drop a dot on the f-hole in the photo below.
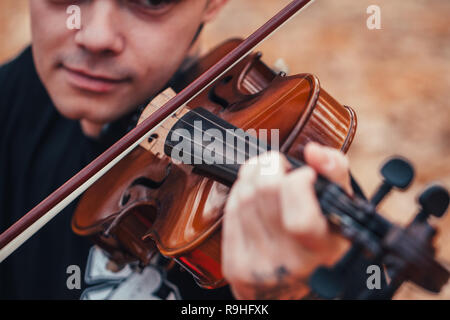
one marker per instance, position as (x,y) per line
(213,96)
(146,182)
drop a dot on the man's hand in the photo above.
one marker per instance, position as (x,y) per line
(274,234)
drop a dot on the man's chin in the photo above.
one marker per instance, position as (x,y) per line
(91,129)
(91,112)
(77,104)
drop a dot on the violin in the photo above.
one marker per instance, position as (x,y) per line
(146,195)
(148,204)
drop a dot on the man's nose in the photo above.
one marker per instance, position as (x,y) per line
(99,31)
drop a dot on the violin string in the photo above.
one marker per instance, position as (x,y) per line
(209,120)
(214,123)
(224,168)
(260,150)
(349,205)
(220,126)
(225,143)
(339,202)
(201,145)
(199,158)
(332,206)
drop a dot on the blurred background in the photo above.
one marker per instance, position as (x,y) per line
(397,79)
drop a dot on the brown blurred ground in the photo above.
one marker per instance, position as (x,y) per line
(397,79)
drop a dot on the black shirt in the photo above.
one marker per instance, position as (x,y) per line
(39,151)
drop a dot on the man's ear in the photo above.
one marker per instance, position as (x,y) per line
(212,9)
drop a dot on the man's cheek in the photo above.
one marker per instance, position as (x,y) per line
(48,22)
(47,44)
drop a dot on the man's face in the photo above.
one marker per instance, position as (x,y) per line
(125,51)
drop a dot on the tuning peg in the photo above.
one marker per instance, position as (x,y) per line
(434,201)
(398,173)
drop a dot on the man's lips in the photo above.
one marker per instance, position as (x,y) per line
(97,83)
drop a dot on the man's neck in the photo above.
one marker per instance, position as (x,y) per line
(91,129)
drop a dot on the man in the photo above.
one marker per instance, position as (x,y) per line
(62,102)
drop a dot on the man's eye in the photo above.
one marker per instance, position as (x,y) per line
(154,5)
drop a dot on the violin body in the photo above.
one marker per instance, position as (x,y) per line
(149,203)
